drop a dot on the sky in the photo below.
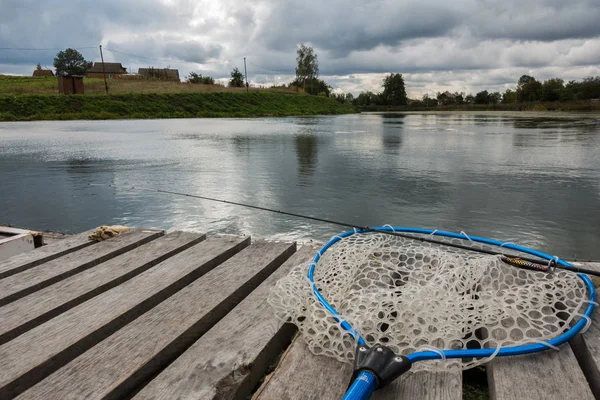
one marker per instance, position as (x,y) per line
(438,45)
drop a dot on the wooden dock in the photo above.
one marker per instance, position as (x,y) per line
(149,315)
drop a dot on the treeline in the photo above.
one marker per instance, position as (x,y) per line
(528,90)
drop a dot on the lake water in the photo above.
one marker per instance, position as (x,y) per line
(523,178)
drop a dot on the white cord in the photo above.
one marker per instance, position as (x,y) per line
(433,349)
(389,226)
(465,235)
(588,322)
(550,346)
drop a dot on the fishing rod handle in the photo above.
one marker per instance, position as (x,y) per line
(362,387)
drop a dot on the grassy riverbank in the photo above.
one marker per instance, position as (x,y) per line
(165,105)
(49,85)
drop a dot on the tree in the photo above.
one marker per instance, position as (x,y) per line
(509,97)
(552,89)
(459,98)
(38,67)
(470,99)
(198,78)
(528,89)
(71,62)
(590,88)
(237,78)
(482,97)
(494,98)
(394,92)
(308,66)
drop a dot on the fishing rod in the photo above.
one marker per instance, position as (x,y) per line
(517,261)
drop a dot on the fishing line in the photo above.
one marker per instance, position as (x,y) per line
(555,262)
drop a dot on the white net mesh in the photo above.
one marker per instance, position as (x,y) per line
(409,295)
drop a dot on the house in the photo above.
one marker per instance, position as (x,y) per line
(159,73)
(446,98)
(113,70)
(43,72)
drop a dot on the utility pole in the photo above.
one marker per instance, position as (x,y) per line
(246,74)
(103,71)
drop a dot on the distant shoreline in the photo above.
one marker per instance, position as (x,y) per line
(565,106)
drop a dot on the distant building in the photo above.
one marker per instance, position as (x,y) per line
(159,73)
(446,98)
(43,72)
(113,70)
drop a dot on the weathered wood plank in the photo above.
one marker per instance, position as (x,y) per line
(588,265)
(19,285)
(230,359)
(549,375)
(29,358)
(587,351)
(38,307)
(302,375)
(116,366)
(30,259)
(424,385)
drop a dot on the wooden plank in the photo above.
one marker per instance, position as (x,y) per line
(248,340)
(587,351)
(24,261)
(29,358)
(424,385)
(36,308)
(19,285)
(302,375)
(549,375)
(132,355)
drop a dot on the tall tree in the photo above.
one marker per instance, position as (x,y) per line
(308,65)
(552,89)
(394,92)
(494,98)
(237,78)
(528,89)
(71,62)
(509,97)
(38,67)
(482,97)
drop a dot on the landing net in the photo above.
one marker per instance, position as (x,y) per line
(416,296)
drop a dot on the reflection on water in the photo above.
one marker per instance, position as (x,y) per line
(306,150)
(522,178)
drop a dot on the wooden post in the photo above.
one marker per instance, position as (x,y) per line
(246,75)
(103,71)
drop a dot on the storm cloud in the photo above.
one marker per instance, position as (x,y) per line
(464,45)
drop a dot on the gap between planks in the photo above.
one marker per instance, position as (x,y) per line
(26,282)
(31,357)
(115,367)
(38,307)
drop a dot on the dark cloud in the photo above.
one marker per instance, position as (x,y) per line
(460,45)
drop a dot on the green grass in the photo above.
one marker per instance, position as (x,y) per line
(49,85)
(165,105)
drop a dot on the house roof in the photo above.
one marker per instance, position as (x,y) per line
(109,68)
(43,72)
(171,73)
(447,94)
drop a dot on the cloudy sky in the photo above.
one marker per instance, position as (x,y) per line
(459,45)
